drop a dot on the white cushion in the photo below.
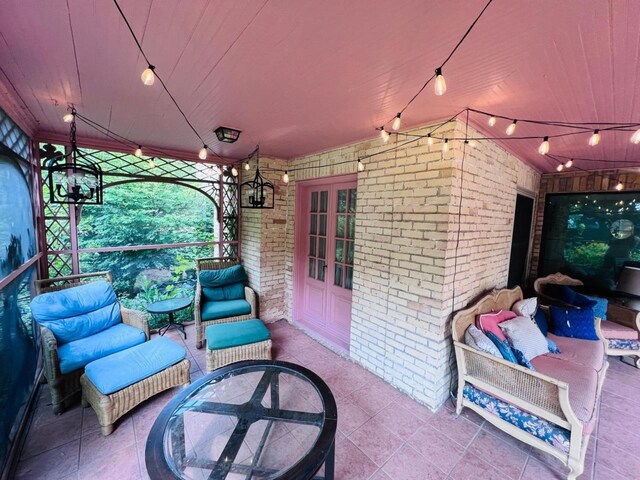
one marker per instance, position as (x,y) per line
(525,336)
(526,307)
(478,340)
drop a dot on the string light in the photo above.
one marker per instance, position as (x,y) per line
(429,139)
(202,154)
(246,166)
(543,149)
(595,138)
(569,163)
(635,138)
(440,86)
(445,145)
(148,77)
(560,167)
(285,177)
(619,185)
(68,118)
(512,127)
(152,164)
(492,120)
(234,171)
(397,122)
(360,166)
(384,135)
(138,152)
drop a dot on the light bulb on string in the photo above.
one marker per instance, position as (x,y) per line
(635,138)
(396,122)
(148,77)
(138,152)
(560,167)
(234,171)
(492,120)
(360,166)
(384,135)
(246,166)
(152,164)
(440,86)
(285,177)
(445,145)
(595,138)
(202,154)
(543,149)
(220,170)
(512,127)
(569,163)
(429,139)
(619,186)
(68,118)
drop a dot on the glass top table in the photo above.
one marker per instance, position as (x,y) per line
(252,420)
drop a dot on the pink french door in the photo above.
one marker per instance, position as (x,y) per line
(325,235)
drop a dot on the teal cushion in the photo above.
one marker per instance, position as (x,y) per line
(117,371)
(234,291)
(235,334)
(224,309)
(77,312)
(77,354)
(224,276)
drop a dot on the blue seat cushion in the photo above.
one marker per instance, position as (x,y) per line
(77,354)
(233,291)
(224,276)
(77,312)
(224,309)
(124,368)
(236,334)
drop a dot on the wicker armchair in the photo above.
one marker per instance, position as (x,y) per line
(626,317)
(214,263)
(65,388)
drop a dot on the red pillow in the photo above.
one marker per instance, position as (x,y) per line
(488,322)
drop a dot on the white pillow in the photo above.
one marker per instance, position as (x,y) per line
(525,336)
(526,307)
(478,340)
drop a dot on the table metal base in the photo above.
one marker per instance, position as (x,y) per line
(172,324)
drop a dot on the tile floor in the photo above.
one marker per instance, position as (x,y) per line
(382,434)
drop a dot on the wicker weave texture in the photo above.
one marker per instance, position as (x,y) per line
(109,408)
(225,356)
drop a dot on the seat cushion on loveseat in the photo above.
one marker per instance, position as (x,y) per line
(224,309)
(119,370)
(583,386)
(77,354)
(589,353)
(77,312)
(612,329)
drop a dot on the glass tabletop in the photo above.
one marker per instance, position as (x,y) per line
(171,305)
(249,420)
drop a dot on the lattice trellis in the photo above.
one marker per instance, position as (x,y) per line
(13,137)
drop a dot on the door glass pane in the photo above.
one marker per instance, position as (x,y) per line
(324,197)
(312,247)
(337,279)
(351,227)
(350,253)
(352,200)
(339,251)
(313,224)
(312,267)
(323,225)
(348,281)
(340,220)
(321,269)
(314,201)
(342,201)
(322,247)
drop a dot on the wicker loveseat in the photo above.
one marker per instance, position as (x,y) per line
(552,408)
(209,312)
(620,331)
(65,387)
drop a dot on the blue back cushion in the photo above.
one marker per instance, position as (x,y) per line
(541,320)
(77,312)
(573,322)
(600,307)
(504,348)
(223,284)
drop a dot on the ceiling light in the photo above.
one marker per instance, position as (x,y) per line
(227,135)
(148,77)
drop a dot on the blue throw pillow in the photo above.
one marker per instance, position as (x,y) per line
(224,276)
(573,322)
(503,346)
(600,307)
(235,291)
(553,348)
(522,360)
(582,301)
(541,320)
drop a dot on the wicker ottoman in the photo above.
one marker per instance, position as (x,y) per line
(115,384)
(237,341)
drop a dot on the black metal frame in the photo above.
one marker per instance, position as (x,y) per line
(227,134)
(306,468)
(255,193)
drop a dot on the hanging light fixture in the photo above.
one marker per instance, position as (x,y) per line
(397,122)
(152,163)
(227,134)
(543,149)
(72,178)
(68,118)
(569,163)
(635,138)
(440,86)
(595,138)
(560,167)
(384,135)
(246,165)
(257,193)
(285,177)
(492,120)
(360,166)
(202,154)
(234,171)
(445,145)
(138,152)
(619,186)
(429,139)
(512,127)
(148,77)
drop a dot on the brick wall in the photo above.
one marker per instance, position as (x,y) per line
(405,247)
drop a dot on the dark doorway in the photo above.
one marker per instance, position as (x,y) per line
(520,241)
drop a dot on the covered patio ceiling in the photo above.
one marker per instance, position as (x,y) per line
(302,77)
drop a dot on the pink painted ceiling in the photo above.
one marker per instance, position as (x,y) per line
(303,76)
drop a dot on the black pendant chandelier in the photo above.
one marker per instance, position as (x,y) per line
(256,193)
(72,178)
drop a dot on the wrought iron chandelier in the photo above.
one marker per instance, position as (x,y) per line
(257,193)
(72,178)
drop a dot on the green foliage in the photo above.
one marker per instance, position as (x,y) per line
(588,256)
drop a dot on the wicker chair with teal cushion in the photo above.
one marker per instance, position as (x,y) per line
(221,294)
(80,323)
